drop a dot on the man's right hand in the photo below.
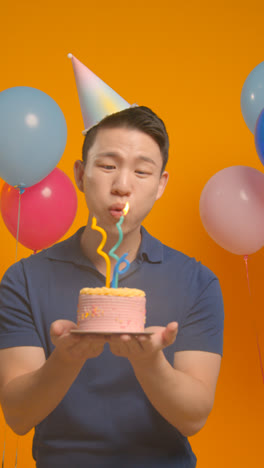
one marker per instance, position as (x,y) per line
(72,347)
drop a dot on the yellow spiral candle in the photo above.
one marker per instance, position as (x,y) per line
(100,252)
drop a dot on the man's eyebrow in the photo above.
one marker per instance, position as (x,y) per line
(147,159)
(112,154)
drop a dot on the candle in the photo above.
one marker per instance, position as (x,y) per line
(100,252)
(112,251)
(120,272)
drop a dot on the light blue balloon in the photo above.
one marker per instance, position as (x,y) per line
(33,134)
(259,136)
(252,96)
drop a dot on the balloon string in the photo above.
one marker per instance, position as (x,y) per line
(260,359)
(257,339)
(246,263)
(16,453)
(3,457)
(21,190)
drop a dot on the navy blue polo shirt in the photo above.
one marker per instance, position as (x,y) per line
(105,419)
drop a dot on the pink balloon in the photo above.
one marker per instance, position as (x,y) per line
(46,213)
(232,209)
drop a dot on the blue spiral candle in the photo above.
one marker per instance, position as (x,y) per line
(112,253)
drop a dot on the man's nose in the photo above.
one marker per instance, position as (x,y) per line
(122,183)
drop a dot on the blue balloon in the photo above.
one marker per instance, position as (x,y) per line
(252,96)
(259,136)
(33,134)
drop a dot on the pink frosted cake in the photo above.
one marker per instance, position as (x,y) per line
(111,310)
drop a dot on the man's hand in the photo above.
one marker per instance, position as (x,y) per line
(139,349)
(72,347)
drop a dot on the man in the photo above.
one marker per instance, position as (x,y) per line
(100,401)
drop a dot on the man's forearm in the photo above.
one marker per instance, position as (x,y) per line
(29,398)
(182,400)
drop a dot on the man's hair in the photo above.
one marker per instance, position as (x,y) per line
(136,118)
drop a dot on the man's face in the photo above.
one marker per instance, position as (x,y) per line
(123,165)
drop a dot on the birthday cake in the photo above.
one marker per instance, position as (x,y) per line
(120,310)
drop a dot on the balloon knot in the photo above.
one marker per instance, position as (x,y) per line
(19,188)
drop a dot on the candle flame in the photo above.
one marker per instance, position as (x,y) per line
(126,209)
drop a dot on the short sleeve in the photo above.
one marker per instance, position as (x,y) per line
(202,325)
(16,321)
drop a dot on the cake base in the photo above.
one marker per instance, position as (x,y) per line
(85,332)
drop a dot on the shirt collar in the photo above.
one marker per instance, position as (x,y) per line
(69,251)
(150,249)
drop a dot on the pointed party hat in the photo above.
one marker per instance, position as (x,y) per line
(97,99)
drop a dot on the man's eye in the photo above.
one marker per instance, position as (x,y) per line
(107,167)
(142,173)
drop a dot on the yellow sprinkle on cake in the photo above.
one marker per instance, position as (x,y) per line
(125,292)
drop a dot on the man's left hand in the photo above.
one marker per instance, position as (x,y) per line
(143,348)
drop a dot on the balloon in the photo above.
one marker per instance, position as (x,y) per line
(252,96)
(232,209)
(33,135)
(47,210)
(259,136)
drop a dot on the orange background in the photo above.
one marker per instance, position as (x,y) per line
(187,61)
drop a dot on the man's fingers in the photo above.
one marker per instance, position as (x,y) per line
(170,333)
(61,327)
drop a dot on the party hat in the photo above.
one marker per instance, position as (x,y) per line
(97,99)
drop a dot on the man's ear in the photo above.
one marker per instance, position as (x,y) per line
(162,184)
(78,174)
